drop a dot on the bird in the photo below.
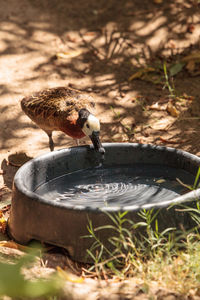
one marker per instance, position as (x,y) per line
(64,109)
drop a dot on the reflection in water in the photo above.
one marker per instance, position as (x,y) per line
(116,186)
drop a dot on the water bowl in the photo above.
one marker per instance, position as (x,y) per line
(56,195)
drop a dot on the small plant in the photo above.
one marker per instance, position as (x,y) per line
(196,184)
(171,89)
(118,244)
(169,257)
(146,256)
(125,249)
(154,241)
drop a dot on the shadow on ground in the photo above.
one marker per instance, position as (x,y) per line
(103,43)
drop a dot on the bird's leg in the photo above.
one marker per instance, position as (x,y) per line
(77,142)
(51,143)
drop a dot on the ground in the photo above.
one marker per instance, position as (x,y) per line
(99,46)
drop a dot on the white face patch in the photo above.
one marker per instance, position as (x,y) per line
(92,124)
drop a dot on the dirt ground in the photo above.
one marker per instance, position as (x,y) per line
(96,46)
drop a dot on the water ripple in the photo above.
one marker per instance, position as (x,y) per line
(119,186)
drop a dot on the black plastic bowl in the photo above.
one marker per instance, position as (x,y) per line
(37,213)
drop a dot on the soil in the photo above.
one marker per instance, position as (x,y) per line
(96,46)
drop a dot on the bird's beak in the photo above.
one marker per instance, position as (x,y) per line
(96,142)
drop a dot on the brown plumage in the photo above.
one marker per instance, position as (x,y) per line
(61,109)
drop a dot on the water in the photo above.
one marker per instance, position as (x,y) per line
(117,186)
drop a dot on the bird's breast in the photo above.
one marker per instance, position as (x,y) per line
(72,129)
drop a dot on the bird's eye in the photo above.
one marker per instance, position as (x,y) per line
(87,126)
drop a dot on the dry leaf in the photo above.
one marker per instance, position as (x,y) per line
(158,107)
(69,277)
(152,77)
(190,66)
(140,73)
(160,181)
(90,33)
(69,54)
(171,109)
(13,245)
(167,141)
(136,75)
(195,56)
(18,159)
(161,124)
(9,244)
(187,97)
(157,1)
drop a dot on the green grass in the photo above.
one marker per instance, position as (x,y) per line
(170,257)
(145,257)
(169,86)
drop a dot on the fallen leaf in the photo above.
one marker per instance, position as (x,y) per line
(195,56)
(152,77)
(90,33)
(161,124)
(187,97)
(136,75)
(9,244)
(141,72)
(68,276)
(167,141)
(160,181)
(70,54)
(157,1)
(171,109)
(13,245)
(18,159)
(190,66)
(158,107)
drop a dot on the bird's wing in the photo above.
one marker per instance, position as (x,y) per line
(51,107)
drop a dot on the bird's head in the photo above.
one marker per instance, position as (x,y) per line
(90,126)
